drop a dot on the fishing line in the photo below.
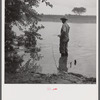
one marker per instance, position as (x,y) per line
(54,56)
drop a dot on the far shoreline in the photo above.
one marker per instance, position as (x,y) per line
(71,18)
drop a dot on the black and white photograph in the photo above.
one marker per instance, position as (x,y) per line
(50,42)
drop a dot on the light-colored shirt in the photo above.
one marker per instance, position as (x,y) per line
(65,32)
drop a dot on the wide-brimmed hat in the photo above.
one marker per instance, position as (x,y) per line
(64,17)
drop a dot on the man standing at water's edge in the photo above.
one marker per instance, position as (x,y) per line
(64,37)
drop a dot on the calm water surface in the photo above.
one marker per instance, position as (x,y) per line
(81,47)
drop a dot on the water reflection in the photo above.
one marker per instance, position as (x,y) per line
(63,64)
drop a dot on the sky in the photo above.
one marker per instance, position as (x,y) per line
(61,7)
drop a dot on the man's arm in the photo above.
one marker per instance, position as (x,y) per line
(68,32)
(68,28)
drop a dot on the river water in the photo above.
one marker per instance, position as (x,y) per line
(81,48)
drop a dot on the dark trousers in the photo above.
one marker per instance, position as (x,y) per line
(63,47)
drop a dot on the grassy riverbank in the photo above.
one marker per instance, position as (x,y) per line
(38,78)
(71,18)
